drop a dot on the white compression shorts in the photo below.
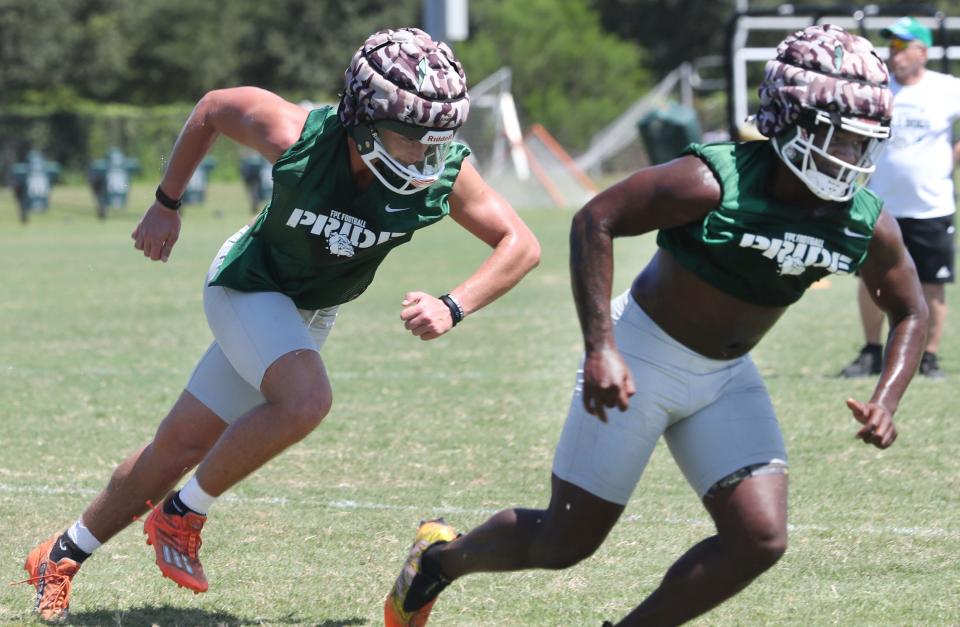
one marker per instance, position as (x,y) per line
(715,415)
(251,330)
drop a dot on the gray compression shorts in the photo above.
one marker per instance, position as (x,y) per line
(715,415)
(251,330)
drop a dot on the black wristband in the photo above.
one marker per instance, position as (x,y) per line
(456,311)
(166,201)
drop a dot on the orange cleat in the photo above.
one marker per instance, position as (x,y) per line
(176,540)
(51,579)
(414,593)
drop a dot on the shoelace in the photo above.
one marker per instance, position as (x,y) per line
(61,586)
(189,537)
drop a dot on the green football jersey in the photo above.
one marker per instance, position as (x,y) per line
(762,250)
(320,240)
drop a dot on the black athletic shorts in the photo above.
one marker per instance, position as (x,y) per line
(930,243)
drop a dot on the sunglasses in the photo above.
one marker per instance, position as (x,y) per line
(898,45)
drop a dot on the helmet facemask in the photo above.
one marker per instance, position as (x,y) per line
(805,149)
(393,170)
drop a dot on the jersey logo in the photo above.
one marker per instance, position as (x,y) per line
(345,234)
(792,266)
(849,233)
(339,245)
(390,209)
(796,253)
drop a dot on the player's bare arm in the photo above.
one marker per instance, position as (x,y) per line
(479,209)
(248,115)
(679,192)
(891,279)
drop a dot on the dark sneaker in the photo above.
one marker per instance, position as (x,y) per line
(868,363)
(929,366)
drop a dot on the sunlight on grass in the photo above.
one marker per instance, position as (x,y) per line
(98,342)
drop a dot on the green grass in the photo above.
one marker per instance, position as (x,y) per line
(97,342)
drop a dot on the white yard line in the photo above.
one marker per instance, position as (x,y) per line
(344,504)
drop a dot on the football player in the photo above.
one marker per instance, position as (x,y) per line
(744,229)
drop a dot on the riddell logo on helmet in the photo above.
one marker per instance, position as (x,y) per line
(437,137)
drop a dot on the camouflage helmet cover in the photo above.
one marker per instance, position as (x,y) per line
(406,76)
(823,67)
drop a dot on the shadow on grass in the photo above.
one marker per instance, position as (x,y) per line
(164,616)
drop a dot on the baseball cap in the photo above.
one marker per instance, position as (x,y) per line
(908,29)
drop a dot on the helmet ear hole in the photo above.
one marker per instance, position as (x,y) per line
(808,119)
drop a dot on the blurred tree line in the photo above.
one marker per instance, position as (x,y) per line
(77,76)
(672,31)
(149,52)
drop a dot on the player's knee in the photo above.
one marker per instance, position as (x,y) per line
(192,455)
(764,554)
(762,548)
(302,415)
(566,557)
(775,547)
(561,551)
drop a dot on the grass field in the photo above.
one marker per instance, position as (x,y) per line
(97,342)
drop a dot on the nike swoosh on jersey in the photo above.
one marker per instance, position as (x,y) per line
(849,233)
(390,209)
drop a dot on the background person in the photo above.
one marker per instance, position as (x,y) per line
(350,184)
(914,178)
(744,229)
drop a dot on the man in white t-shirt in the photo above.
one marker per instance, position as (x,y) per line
(914,177)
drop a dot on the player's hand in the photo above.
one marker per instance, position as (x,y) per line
(607,382)
(157,232)
(425,316)
(878,428)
